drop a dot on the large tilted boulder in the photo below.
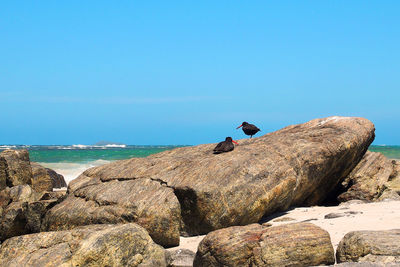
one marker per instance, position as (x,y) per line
(15,168)
(192,188)
(94,245)
(370,246)
(297,244)
(45,179)
(374,178)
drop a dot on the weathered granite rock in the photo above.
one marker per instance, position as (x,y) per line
(180,258)
(45,179)
(296,165)
(393,184)
(297,244)
(374,178)
(94,245)
(144,201)
(366,264)
(5,197)
(20,218)
(15,168)
(23,193)
(12,221)
(22,210)
(370,246)
(3,173)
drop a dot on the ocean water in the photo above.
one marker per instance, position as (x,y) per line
(71,161)
(391,152)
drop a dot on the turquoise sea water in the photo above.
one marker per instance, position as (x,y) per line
(84,154)
(71,161)
(392,152)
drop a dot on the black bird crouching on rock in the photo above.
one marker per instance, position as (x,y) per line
(249,129)
(225,146)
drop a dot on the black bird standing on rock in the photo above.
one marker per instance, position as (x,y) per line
(225,146)
(249,129)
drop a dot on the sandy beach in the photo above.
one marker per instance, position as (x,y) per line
(349,216)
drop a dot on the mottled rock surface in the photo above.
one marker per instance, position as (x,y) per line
(374,178)
(365,264)
(22,210)
(45,179)
(180,258)
(15,168)
(94,245)
(370,246)
(144,201)
(297,244)
(198,191)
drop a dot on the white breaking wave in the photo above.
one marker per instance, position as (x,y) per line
(114,145)
(69,170)
(7,147)
(80,146)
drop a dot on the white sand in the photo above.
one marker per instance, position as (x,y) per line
(383,215)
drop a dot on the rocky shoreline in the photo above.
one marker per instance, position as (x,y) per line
(232,199)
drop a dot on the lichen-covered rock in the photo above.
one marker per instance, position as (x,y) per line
(374,178)
(297,244)
(45,179)
(370,246)
(94,245)
(15,168)
(297,165)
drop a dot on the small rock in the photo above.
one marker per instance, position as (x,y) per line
(45,179)
(370,246)
(353,212)
(180,258)
(23,193)
(334,215)
(283,219)
(295,244)
(311,219)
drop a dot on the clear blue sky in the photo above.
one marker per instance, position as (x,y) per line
(189,72)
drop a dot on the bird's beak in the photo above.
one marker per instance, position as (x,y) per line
(239,126)
(234,142)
